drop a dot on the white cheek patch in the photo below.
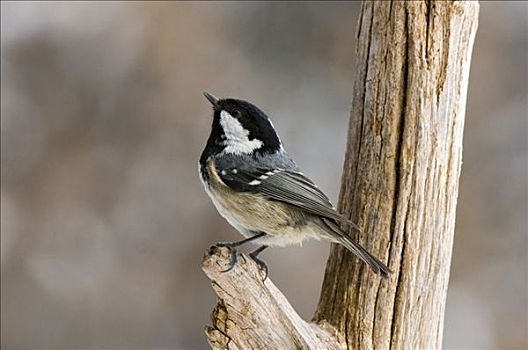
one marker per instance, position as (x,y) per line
(237,138)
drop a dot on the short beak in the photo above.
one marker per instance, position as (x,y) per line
(213,99)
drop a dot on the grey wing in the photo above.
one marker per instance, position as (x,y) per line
(296,189)
(286,186)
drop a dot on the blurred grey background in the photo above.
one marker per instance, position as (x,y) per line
(103,218)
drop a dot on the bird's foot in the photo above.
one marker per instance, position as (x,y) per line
(233,251)
(261,264)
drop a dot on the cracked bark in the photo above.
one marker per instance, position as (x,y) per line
(399,183)
(254,314)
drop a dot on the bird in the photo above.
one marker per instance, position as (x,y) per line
(258,188)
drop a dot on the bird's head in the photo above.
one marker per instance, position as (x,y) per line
(240,127)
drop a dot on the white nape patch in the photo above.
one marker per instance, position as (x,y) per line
(237,138)
(280,142)
(254,183)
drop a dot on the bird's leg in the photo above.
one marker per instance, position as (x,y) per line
(233,245)
(260,263)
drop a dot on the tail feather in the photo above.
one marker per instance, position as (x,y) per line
(375,264)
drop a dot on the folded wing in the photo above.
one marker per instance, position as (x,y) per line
(286,186)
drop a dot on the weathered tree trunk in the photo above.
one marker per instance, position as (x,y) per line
(400,184)
(400,179)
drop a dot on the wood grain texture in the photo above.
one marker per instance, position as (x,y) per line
(401,171)
(399,183)
(254,314)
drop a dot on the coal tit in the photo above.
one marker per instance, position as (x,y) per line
(258,188)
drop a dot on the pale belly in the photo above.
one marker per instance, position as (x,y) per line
(249,214)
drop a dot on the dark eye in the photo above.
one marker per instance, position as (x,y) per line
(236,113)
